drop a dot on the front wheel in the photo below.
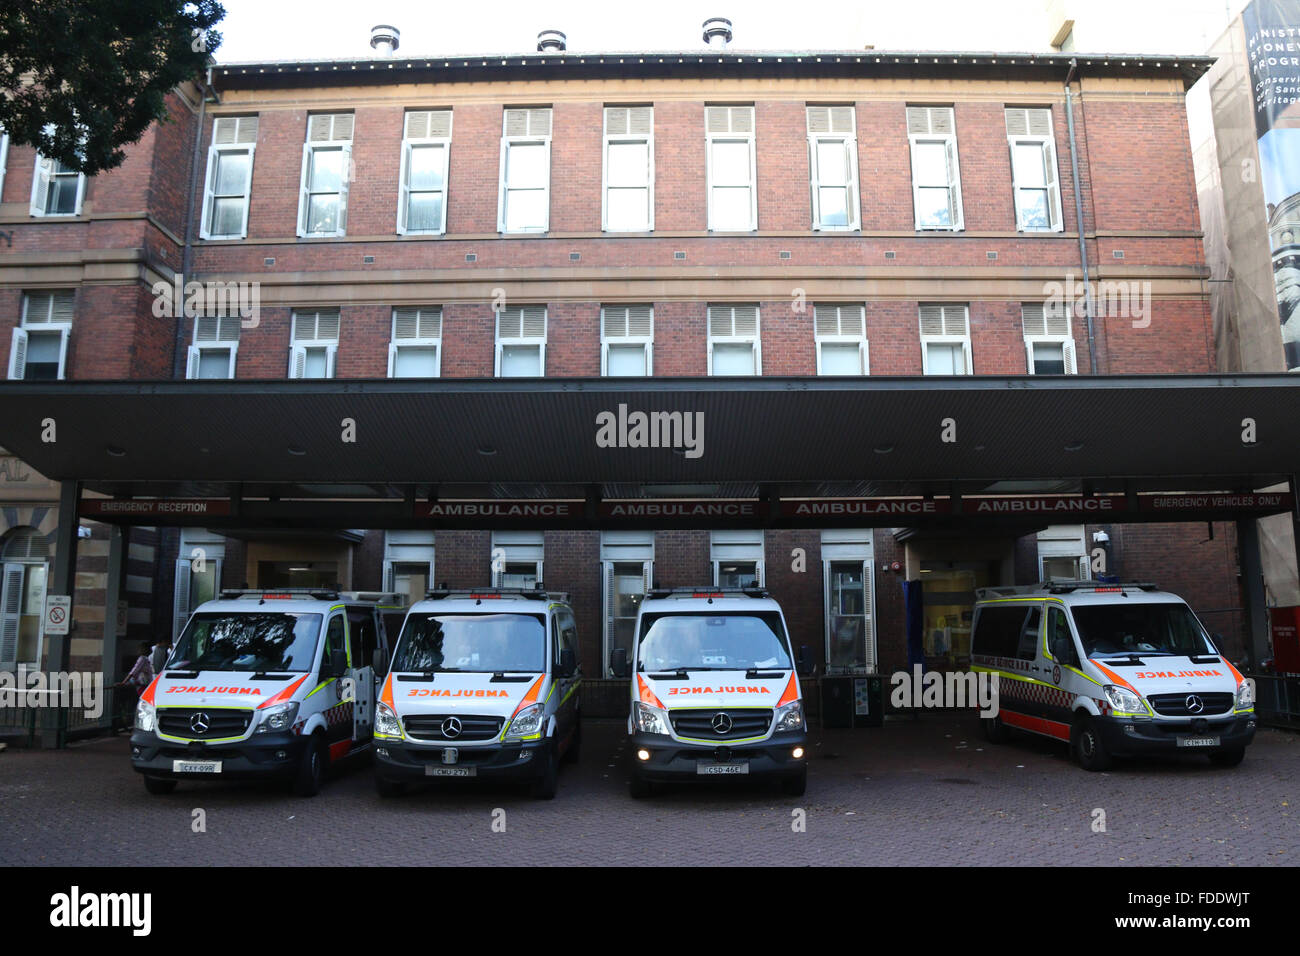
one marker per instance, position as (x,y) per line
(1228,758)
(995,732)
(544,786)
(795,786)
(1089,751)
(311,769)
(574,753)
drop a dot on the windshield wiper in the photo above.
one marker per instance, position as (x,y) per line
(1122,659)
(501,677)
(758,673)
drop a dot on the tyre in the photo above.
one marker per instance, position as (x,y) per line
(1228,758)
(794,786)
(995,731)
(389,788)
(544,786)
(640,787)
(311,768)
(1088,748)
(159,785)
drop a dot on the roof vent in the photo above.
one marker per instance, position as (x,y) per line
(384,39)
(717,31)
(551,41)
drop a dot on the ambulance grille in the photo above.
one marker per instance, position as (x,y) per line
(1175,705)
(180,722)
(699,724)
(472,727)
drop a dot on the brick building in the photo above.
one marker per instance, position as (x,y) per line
(685,214)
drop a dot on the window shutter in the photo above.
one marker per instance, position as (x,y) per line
(330,127)
(411,323)
(1029,355)
(930,120)
(404,187)
(304,206)
(11,594)
(534,322)
(205,223)
(231,130)
(428,124)
(615,322)
(41,185)
(343,190)
(866,357)
(616,121)
(63,353)
(192,363)
(640,320)
(528,122)
(18,354)
(729,119)
(1071,364)
(392,364)
(837,120)
(181,598)
(954,185)
(1032,317)
(1017,122)
(1053,186)
(509,323)
(331,358)
(297,362)
(932,320)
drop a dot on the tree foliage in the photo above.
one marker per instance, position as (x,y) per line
(80,79)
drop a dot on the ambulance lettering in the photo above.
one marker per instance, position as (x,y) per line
(434,692)
(717,690)
(253,691)
(1154,674)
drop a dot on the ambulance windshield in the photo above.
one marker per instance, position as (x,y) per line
(736,641)
(1128,630)
(247,642)
(488,643)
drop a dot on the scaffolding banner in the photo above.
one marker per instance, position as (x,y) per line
(1272,30)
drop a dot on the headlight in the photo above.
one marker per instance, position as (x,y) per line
(1124,700)
(386,722)
(277,718)
(1245,695)
(790,717)
(650,720)
(144,716)
(527,722)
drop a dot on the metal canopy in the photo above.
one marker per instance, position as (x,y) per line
(1164,431)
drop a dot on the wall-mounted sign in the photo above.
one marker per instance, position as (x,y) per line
(494,510)
(58,614)
(153,507)
(686,509)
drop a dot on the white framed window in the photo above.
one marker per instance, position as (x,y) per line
(628,198)
(936,175)
(627,566)
(57,189)
(734,344)
(228,187)
(737,558)
(627,334)
(1034,177)
(840,333)
(198,574)
(416,348)
(4,159)
(39,349)
(216,343)
(847,562)
(517,559)
(833,167)
(409,563)
(945,339)
(326,172)
(1049,343)
(422,193)
(315,343)
(521,342)
(525,200)
(732,174)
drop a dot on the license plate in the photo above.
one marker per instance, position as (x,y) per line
(433,770)
(1198,741)
(714,767)
(196,766)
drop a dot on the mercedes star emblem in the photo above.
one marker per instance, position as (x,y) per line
(451,727)
(1194,704)
(721,723)
(199,723)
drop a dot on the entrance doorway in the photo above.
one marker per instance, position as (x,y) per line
(24,569)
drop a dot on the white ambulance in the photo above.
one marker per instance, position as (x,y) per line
(264,684)
(714,689)
(1112,669)
(483,683)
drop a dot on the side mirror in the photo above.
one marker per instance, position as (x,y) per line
(803,664)
(379,661)
(567,664)
(618,662)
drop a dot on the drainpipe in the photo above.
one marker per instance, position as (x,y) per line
(179,351)
(1078,214)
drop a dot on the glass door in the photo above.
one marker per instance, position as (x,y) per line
(848,615)
(625,584)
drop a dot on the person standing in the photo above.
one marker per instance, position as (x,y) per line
(161,651)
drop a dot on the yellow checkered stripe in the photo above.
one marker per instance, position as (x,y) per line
(340,713)
(1034,692)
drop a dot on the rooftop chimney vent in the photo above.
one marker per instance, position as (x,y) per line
(717,31)
(551,41)
(384,39)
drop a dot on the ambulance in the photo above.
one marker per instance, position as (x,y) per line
(714,690)
(264,684)
(1111,669)
(483,683)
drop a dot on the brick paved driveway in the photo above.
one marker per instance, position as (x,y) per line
(926,792)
